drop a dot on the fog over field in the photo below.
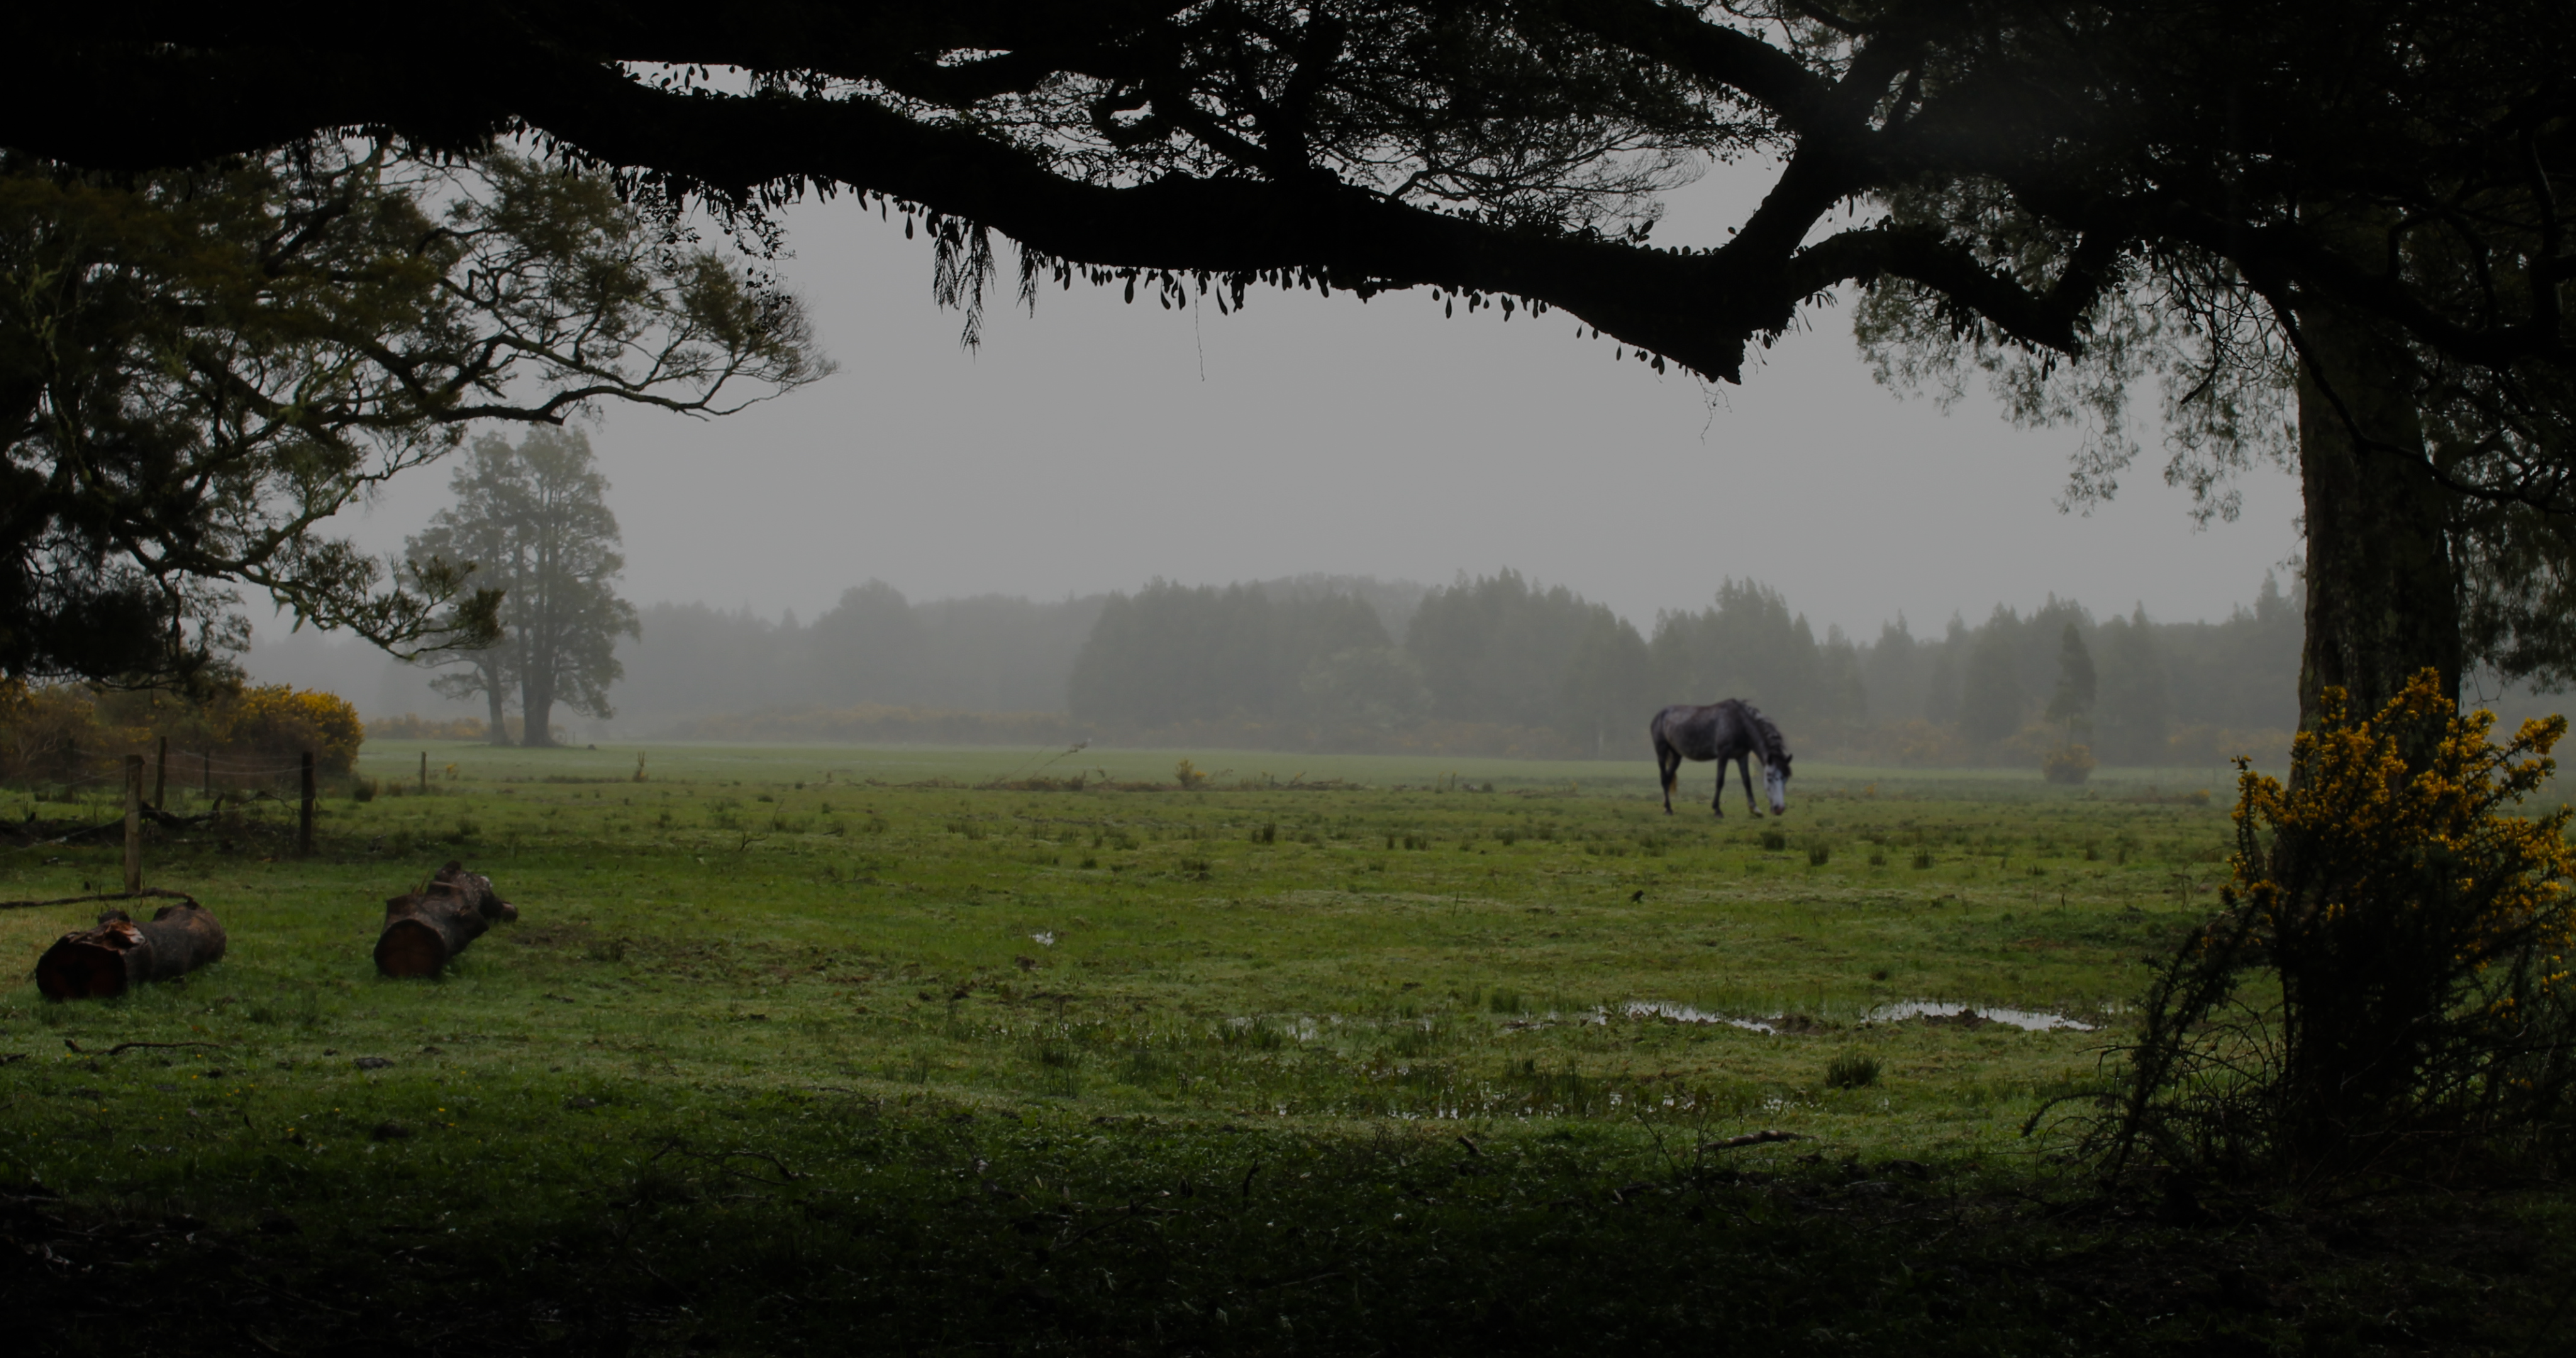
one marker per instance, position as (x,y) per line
(1100,445)
(1097,446)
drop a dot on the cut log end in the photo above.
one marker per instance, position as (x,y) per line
(409,949)
(425,930)
(80,970)
(119,954)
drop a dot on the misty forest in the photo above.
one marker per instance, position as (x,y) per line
(1495,665)
(423,945)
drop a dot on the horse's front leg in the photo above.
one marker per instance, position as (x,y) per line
(1744,770)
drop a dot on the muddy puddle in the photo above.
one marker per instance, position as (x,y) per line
(1684,1013)
(1975,1016)
(1926,1011)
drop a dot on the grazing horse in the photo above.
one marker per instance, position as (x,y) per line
(1733,729)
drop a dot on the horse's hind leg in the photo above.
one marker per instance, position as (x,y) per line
(1668,763)
(1718,802)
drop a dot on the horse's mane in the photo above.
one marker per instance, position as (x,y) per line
(1774,747)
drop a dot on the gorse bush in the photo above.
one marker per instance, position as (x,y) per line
(61,731)
(278,723)
(2385,988)
(2067,764)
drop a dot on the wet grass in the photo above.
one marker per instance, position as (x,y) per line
(789,1037)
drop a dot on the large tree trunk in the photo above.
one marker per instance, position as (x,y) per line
(537,685)
(120,954)
(496,696)
(2383,593)
(425,929)
(538,711)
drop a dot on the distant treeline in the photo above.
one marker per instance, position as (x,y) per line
(1500,651)
(1492,661)
(875,648)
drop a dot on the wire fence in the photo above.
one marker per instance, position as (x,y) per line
(202,768)
(141,783)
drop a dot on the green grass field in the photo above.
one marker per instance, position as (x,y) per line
(1337,1053)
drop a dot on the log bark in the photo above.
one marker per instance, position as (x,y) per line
(425,929)
(121,953)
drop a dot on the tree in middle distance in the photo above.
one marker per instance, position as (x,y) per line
(533,521)
(1991,698)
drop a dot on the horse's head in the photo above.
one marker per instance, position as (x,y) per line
(1775,780)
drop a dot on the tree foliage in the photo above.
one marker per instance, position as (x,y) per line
(199,367)
(1494,148)
(1177,653)
(2077,682)
(1748,644)
(1502,649)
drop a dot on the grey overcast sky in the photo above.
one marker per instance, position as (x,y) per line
(1101,444)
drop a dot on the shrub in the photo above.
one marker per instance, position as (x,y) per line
(1190,776)
(1851,1070)
(2384,987)
(2067,764)
(42,730)
(413,726)
(259,732)
(277,723)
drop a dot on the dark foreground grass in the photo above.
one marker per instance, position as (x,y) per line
(819,1222)
(779,1065)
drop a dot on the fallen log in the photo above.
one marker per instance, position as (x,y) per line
(122,953)
(425,929)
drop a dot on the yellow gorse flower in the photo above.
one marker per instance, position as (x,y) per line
(2361,822)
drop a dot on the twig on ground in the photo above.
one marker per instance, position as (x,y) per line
(1751,1139)
(154,891)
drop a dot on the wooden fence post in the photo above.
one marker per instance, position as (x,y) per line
(161,777)
(424,770)
(304,819)
(206,774)
(133,824)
